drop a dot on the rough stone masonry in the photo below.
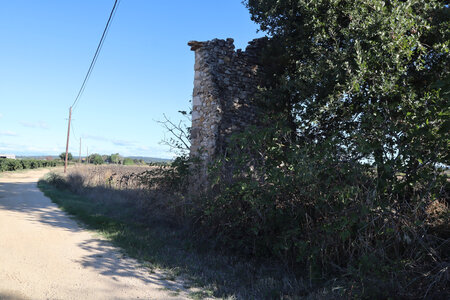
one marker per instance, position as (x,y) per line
(223,99)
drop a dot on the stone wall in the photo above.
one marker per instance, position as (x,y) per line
(223,99)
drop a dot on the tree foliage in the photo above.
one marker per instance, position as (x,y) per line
(116,158)
(128,161)
(96,159)
(62,156)
(369,77)
(342,176)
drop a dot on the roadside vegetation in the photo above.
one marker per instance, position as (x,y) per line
(115,159)
(142,210)
(7,164)
(145,211)
(342,192)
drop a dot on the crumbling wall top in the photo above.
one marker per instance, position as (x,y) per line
(195,45)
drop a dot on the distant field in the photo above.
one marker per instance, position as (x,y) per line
(147,159)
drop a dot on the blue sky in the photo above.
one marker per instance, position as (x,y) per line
(145,70)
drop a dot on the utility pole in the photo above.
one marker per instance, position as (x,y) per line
(67,143)
(87,155)
(79,157)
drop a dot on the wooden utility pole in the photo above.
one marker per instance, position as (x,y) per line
(79,157)
(67,143)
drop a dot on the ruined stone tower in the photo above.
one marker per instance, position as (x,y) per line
(223,99)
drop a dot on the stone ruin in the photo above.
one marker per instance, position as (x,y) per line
(223,103)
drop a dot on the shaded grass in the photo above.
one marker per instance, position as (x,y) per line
(173,249)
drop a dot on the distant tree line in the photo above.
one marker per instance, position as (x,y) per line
(98,159)
(7,164)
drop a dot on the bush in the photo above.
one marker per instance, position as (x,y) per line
(312,209)
(56,180)
(96,159)
(62,156)
(128,161)
(20,164)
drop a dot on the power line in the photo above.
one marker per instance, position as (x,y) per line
(88,74)
(97,52)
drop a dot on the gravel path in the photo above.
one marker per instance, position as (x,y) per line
(44,254)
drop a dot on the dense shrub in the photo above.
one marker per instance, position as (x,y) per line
(343,174)
(96,159)
(314,210)
(57,180)
(62,156)
(128,161)
(19,164)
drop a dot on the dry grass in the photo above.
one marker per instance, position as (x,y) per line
(120,186)
(152,216)
(143,188)
(115,177)
(112,200)
(438,216)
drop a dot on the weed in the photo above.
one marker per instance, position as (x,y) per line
(171,247)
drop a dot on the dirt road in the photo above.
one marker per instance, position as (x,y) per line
(44,254)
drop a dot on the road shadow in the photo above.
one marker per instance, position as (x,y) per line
(26,198)
(6,295)
(110,261)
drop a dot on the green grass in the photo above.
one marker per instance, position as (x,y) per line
(136,239)
(177,253)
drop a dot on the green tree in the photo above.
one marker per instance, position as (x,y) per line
(116,158)
(340,176)
(96,159)
(369,77)
(128,161)
(62,156)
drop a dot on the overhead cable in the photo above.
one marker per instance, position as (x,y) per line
(97,52)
